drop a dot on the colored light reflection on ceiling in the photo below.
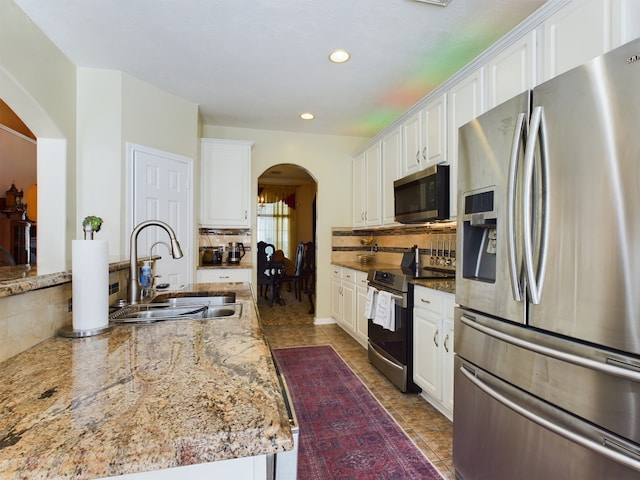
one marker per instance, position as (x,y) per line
(441,62)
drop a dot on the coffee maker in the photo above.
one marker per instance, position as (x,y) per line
(236,252)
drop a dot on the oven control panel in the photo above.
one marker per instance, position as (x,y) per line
(385,278)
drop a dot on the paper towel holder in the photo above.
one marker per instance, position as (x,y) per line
(90,225)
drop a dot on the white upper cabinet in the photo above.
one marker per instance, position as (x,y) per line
(226,183)
(583,30)
(424,135)
(358,203)
(367,188)
(391,149)
(434,128)
(412,139)
(512,71)
(466,102)
(559,36)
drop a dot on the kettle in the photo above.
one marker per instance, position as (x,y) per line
(236,252)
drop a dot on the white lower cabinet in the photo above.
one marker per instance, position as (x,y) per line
(361,333)
(348,298)
(343,298)
(433,347)
(223,275)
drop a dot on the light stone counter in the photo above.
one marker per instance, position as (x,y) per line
(142,398)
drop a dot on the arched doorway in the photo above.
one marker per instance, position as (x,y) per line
(53,194)
(17,190)
(293,189)
(286,213)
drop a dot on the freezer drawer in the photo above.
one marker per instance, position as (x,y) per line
(493,439)
(600,386)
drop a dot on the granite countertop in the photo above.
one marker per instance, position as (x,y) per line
(447,286)
(364,267)
(142,398)
(18,279)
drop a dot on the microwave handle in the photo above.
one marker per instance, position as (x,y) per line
(519,134)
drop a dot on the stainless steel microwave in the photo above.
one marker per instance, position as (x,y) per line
(422,196)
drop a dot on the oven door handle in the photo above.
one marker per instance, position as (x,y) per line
(397,298)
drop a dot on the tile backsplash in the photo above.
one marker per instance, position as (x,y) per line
(221,237)
(389,244)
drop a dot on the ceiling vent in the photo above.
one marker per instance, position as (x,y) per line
(442,3)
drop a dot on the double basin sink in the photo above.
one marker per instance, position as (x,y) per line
(180,306)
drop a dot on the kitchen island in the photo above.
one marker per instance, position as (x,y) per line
(143,398)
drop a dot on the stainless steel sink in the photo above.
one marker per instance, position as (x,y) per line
(181,306)
(195,298)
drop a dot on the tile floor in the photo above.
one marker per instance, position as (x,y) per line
(429,429)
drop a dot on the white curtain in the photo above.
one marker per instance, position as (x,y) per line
(276,218)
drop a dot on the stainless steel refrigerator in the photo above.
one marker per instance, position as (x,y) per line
(547,336)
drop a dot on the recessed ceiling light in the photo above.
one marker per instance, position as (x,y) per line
(307,116)
(339,56)
(442,3)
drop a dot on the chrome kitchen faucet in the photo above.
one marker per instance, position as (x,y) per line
(133,287)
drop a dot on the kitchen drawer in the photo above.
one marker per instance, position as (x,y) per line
(361,280)
(222,275)
(428,299)
(336,272)
(349,275)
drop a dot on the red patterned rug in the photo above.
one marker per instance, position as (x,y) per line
(345,433)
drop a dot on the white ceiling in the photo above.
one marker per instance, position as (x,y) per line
(261,63)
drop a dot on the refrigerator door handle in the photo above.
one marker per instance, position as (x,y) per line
(519,134)
(602,448)
(609,367)
(535,276)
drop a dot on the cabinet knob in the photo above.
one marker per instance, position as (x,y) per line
(446,339)
(425,301)
(435,338)
(424,153)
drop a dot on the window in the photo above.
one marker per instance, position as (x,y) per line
(275,225)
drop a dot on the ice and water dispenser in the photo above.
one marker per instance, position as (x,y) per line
(479,240)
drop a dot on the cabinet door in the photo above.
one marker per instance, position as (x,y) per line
(512,71)
(427,359)
(391,152)
(349,305)
(465,102)
(373,186)
(412,138)
(226,183)
(361,301)
(336,299)
(434,127)
(447,366)
(358,191)
(449,303)
(575,34)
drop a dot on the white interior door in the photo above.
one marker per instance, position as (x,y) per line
(161,189)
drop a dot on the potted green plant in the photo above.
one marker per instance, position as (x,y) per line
(91,225)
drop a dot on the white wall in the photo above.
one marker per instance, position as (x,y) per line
(38,82)
(115,109)
(328,159)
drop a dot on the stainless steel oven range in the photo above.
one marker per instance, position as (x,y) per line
(389,351)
